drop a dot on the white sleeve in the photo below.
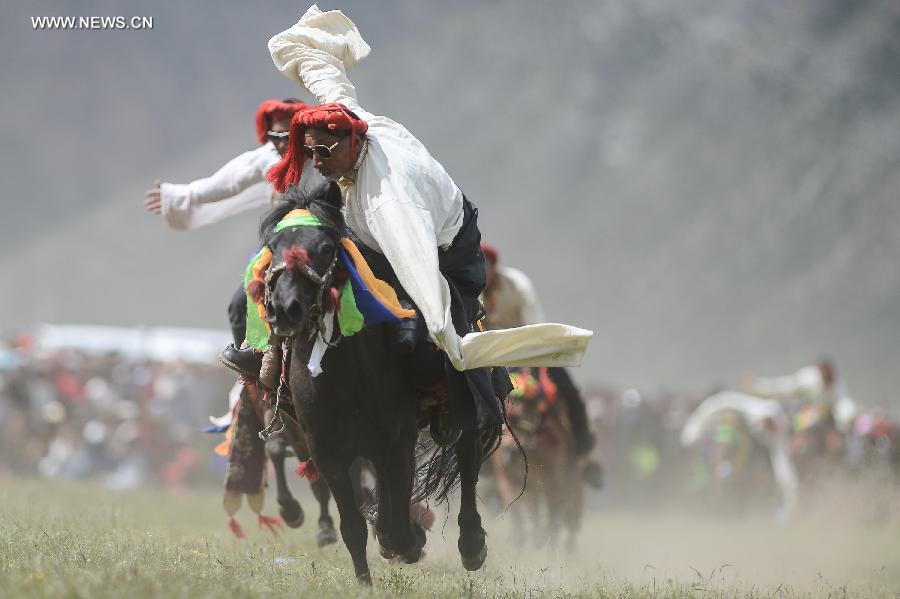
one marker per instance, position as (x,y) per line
(805,382)
(701,417)
(236,187)
(777,386)
(180,214)
(406,235)
(315,53)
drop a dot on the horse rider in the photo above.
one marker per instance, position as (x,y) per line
(510,300)
(769,424)
(412,223)
(815,384)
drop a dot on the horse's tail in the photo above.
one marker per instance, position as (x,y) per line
(437,473)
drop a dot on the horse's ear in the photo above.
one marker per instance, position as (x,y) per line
(334,194)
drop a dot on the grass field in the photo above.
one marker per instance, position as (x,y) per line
(81,541)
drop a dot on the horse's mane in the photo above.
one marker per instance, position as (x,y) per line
(323,201)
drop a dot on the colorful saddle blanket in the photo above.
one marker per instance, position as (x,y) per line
(364,299)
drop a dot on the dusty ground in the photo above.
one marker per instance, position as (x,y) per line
(82,541)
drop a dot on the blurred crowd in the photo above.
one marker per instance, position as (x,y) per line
(122,421)
(731,469)
(125,421)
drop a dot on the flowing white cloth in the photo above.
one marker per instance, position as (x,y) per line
(404,204)
(320,346)
(238,186)
(769,424)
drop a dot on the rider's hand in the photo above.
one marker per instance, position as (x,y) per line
(153,203)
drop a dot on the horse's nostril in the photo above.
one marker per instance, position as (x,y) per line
(294,311)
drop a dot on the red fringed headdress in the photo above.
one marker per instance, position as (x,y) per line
(332,117)
(274,110)
(490,253)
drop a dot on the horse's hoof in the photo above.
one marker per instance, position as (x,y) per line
(292,514)
(365,579)
(474,562)
(386,553)
(327,534)
(415,554)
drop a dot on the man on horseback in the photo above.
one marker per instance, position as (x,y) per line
(816,384)
(412,223)
(391,217)
(511,301)
(770,426)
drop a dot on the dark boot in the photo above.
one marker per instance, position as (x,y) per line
(243,361)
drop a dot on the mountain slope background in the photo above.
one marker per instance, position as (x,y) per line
(712,187)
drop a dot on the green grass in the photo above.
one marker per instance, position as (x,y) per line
(81,541)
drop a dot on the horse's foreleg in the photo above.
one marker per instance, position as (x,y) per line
(353,525)
(327,534)
(396,470)
(472,545)
(555,496)
(574,504)
(383,515)
(288,507)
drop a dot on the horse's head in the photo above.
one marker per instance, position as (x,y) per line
(302,282)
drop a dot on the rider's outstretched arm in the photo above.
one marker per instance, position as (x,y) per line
(236,187)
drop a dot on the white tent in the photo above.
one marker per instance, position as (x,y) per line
(153,343)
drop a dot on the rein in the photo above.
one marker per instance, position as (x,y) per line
(313,319)
(314,316)
(270,430)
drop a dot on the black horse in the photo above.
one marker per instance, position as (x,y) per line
(289,508)
(362,405)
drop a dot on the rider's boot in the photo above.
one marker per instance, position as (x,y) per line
(245,361)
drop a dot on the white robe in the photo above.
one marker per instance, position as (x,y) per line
(405,205)
(755,412)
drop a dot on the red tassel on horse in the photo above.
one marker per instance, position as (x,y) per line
(307,469)
(270,522)
(235,528)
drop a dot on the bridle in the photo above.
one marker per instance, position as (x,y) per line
(313,321)
(313,315)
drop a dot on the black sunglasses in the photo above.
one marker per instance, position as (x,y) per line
(323,152)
